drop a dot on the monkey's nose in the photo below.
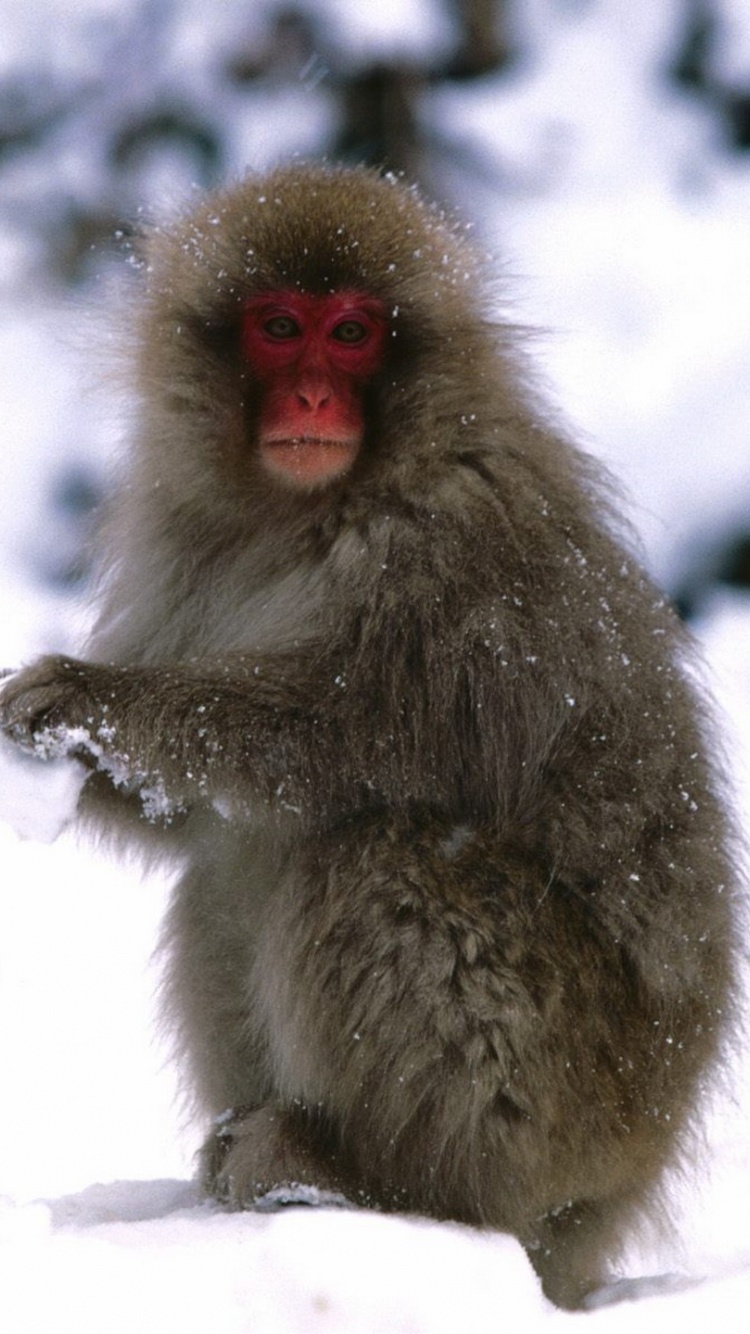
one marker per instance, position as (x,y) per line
(314,394)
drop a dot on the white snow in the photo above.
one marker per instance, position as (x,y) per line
(627,234)
(38,799)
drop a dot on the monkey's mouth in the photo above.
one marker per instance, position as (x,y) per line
(309,460)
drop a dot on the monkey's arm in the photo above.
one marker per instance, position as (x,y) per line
(234,726)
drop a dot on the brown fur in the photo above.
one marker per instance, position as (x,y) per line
(455,929)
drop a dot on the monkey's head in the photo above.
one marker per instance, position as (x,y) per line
(297,323)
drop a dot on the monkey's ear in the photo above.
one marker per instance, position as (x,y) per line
(219,335)
(206,340)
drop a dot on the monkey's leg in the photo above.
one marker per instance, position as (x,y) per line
(478,1043)
(209,941)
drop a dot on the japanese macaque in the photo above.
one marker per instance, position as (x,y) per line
(454,930)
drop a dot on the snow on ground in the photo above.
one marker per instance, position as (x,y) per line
(630,243)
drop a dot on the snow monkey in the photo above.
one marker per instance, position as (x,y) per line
(453,933)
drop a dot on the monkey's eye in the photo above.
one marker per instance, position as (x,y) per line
(349,331)
(282,326)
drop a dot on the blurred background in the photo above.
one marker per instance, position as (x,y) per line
(601,148)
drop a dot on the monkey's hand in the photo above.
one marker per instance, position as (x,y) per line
(57,706)
(60,706)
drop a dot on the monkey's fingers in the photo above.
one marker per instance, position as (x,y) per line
(30,718)
(33,707)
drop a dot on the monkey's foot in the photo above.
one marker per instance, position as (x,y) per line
(267,1158)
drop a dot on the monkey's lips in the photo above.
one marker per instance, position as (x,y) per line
(309,460)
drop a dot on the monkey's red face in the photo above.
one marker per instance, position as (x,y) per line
(312,357)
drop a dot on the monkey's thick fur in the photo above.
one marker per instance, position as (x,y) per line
(455,929)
